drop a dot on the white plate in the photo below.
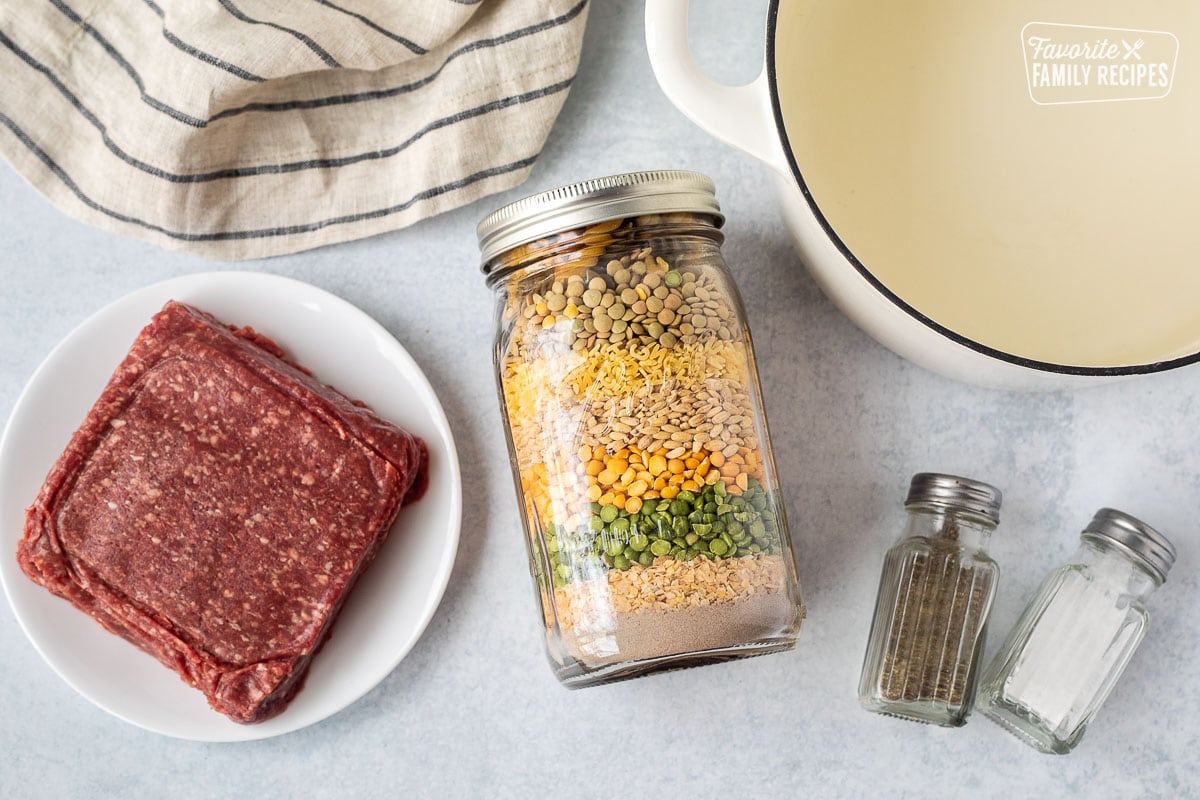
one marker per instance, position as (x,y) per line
(391,605)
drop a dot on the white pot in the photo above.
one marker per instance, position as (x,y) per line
(749,117)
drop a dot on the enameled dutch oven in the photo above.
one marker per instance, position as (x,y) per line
(1001,192)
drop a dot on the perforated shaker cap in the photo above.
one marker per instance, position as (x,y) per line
(1135,536)
(592,201)
(953,492)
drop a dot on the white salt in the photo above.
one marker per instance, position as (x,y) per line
(1084,632)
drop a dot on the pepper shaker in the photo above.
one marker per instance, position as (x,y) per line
(1077,635)
(934,598)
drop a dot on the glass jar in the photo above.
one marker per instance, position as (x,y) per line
(655,528)
(1077,635)
(934,597)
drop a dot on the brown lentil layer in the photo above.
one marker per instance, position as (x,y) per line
(641,301)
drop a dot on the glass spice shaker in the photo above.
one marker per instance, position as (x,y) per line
(1075,638)
(934,597)
(655,529)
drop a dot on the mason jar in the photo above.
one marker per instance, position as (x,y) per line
(1073,641)
(935,594)
(655,527)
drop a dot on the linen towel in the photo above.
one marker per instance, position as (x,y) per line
(238,129)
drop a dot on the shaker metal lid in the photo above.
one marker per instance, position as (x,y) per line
(954,492)
(592,201)
(1150,546)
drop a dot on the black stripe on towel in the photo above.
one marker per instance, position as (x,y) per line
(262,233)
(198,54)
(292,105)
(158,105)
(275,169)
(409,43)
(309,43)
(378,94)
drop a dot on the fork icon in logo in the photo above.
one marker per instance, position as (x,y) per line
(1132,49)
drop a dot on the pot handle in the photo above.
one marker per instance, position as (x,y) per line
(741,116)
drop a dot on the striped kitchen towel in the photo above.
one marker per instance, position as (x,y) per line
(244,128)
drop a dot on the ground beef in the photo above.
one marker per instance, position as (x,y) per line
(217,506)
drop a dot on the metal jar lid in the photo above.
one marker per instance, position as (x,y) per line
(1134,536)
(592,201)
(954,493)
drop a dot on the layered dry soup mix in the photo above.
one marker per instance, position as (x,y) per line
(629,389)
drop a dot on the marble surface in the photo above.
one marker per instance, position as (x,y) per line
(473,710)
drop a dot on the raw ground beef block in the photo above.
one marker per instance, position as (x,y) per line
(217,506)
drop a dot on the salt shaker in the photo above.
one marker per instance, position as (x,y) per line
(934,597)
(1077,635)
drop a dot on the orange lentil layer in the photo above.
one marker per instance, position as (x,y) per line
(630,476)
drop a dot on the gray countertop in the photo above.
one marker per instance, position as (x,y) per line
(474,710)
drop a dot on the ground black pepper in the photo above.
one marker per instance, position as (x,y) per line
(932,640)
(934,597)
